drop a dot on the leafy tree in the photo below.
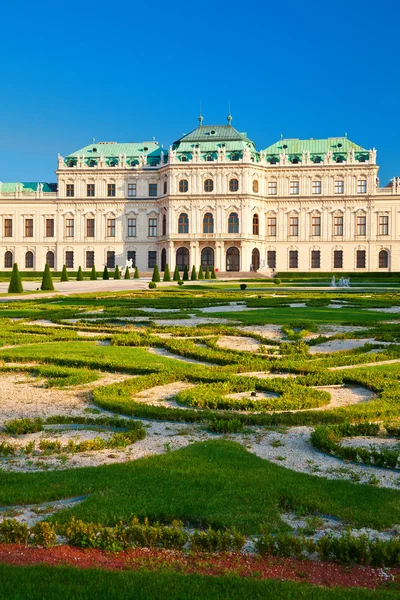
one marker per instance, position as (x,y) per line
(64,274)
(105,273)
(47,282)
(201,274)
(79,276)
(167,274)
(117,274)
(177,276)
(127,273)
(15,286)
(185,274)
(93,274)
(156,275)
(207,275)
(136,274)
(193,276)
(213,273)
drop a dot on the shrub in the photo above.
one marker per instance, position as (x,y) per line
(213,273)
(127,273)
(152,285)
(177,276)
(106,276)
(117,274)
(136,275)
(93,274)
(47,282)
(180,282)
(243,286)
(43,534)
(64,274)
(217,541)
(193,276)
(23,426)
(156,275)
(79,276)
(167,274)
(207,273)
(15,286)
(185,276)
(14,532)
(225,425)
(201,274)
(277,281)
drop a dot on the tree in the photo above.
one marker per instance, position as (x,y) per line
(213,273)
(93,274)
(79,276)
(207,275)
(64,274)
(167,274)
(193,276)
(105,273)
(201,274)
(127,273)
(177,277)
(156,275)
(47,282)
(136,274)
(117,274)
(15,286)
(185,274)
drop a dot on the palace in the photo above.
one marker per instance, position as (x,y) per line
(212,199)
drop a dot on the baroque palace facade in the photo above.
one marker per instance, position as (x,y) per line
(211,199)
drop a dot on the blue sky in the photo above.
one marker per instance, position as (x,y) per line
(127,71)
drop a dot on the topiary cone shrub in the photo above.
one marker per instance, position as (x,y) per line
(193,276)
(185,274)
(127,273)
(105,273)
(79,276)
(243,286)
(177,277)
(136,274)
(207,273)
(47,282)
(201,274)
(213,273)
(64,274)
(15,286)
(93,274)
(167,274)
(117,274)
(156,275)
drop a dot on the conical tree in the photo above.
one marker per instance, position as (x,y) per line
(193,276)
(117,274)
(177,277)
(47,282)
(15,286)
(105,273)
(136,274)
(79,276)
(64,274)
(213,273)
(201,274)
(207,275)
(93,274)
(156,275)
(167,274)
(185,276)
(127,273)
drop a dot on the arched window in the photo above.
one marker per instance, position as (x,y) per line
(50,259)
(8,260)
(233,223)
(207,258)
(233,259)
(255,259)
(183,223)
(165,187)
(183,158)
(208,185)
(29,260)
(383,259)
(256,225)
(183,185)
(208,223)
(163,259)
(233,185)
(182,258)
(255,186)
(164,225)
(234,156)
(209,158)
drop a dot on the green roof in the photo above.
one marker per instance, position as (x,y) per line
(115,149)
(296,146)
(27,186)
(208,138)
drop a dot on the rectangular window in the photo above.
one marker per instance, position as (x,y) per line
(110,189)
(316,226)
(383,225)
(110,259)
(339,187)
(271,259)
(316,187)
(361,225)
(338,226)
(293,259)
(110,227)
(90,190)
(152,227)
(69,227)
(294,188)
(315,259)
(8,228)
(152,259)
(338,259)
(69,259)
(362,186)
(361,259)
(152,189)
(28,227)
(89,259)
(294,226)
(131,190)
(131,255)
(272,226)
(70,190)
(272,188)
(131,227)
(90,225)
(49,227)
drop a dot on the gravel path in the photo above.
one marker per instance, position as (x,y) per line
(167,354)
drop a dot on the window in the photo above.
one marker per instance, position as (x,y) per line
(233,223)
(207,258)
(50,259)
(152,259)
(316,226)
(256,225)
(339,187)
(152,227)
(90,225)
(183,158)
(272,188)
(255,186)
(383,259)
(338,259)
(183,185)
(383,225)
(69,227)
(131,255)
(49,227)
(70,190)
(110,259)
(110,227)
(362,186)
(152,189)
(272,226)
(233,185)
(69,259)
(183,223)
(29,260)
(89,259)
(294,226)
(28,227)
(208,185)
(131,227)
(293,259)
(131,190)
(110,189)
(294,188)
(315,259)
(8,260)
(360,259)
(165,187)
(164,225)
(208,223)
(361,224)
(271,259)
(316,187)
(338,225)
(90,190)
(8,227)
